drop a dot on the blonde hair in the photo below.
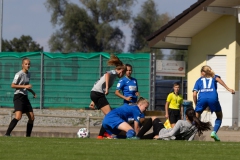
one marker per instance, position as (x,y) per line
(115,61)
(208,71)
(142,100)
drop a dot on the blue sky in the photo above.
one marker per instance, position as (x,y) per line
(30,17)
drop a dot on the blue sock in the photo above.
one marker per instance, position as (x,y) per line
(130,133)
(217,125)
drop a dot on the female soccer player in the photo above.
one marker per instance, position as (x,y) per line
(205,94)
(129,87)
(116,120)
(183,130)
(20,99)
(101,87)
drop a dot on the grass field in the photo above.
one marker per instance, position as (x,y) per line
(18,148)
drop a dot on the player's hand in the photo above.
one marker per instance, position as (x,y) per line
(137,93)
(231,90)
(128,99)
(166,116)
(92,105)
(106,91)
(34,96)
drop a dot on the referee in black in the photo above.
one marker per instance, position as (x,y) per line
(21,102)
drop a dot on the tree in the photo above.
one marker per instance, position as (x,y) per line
(88,28)
(23,44)
(145,23)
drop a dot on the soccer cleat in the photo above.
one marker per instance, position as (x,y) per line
(134,138)
(7,135)
(107,136)
(214,136)
(100,137)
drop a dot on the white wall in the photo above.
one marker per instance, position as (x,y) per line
(230,109)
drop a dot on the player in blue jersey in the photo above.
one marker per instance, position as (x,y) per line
(21,83)
(129,87)
(205,95)
(116,120)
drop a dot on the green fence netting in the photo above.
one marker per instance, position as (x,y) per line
(65,80)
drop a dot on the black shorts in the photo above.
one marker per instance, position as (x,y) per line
(21,103)
(157,126)
(174,115)
(99,99)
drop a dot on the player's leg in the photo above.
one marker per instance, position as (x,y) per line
(102,104)
(145,128)
(215,107)
(30,123)
(124,126)
(13,123)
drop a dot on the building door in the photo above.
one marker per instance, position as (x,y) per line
(219,66)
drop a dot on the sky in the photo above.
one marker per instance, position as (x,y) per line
(30,17)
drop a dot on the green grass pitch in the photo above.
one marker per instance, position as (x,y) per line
(36,148)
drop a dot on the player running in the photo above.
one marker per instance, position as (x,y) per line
(205,95)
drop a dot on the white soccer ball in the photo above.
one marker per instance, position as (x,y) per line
(83,133)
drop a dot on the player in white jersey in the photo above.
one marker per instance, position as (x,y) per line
(21,102)
(205,95)
(102,86)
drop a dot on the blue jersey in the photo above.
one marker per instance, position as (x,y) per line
(129,87)
(119,115)
(207,88)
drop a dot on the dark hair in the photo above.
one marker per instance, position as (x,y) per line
(176,84)
(201,126)
(128,65)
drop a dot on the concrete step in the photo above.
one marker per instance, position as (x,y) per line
(71,132)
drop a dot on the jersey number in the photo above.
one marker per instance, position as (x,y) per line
(205,82)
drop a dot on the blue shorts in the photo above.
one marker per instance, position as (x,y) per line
(110,124)
(213,104)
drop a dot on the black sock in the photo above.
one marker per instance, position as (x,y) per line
(146,126)
(102,131)
(11,126)
(29,129)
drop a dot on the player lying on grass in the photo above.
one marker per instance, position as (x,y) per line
(183,130)
(116,120)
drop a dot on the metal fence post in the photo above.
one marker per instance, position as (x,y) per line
(88,122)
(41,81)
(100,65)
(152,71)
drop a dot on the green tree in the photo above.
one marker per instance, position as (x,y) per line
(147,21)
(89,27)
(23,44)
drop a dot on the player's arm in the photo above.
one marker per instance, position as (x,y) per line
(219,80)
(13,85)
(166,109)
(195,97)
(33,93)
(136,127)
(117,93)
(107,77)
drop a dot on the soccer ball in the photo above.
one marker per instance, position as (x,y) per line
(83,133)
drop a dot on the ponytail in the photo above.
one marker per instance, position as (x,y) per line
(201,126)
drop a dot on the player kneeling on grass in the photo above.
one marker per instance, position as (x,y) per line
(116,120)
(183,130)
